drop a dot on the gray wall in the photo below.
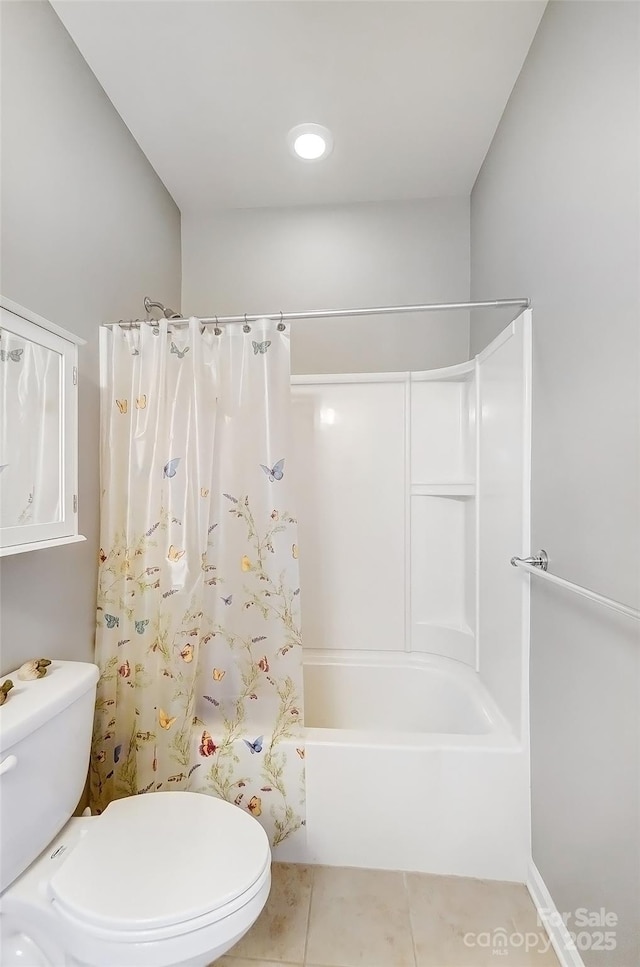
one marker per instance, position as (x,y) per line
(555,215)
(88,230)
(261,260)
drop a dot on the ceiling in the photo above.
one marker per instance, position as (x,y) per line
(412,91)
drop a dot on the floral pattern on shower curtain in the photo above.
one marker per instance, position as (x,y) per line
(198,620)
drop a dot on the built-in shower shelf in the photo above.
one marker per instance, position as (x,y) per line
(443,490)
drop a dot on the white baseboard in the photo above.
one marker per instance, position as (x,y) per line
(566,950)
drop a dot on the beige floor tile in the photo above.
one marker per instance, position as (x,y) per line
(359,918)
(280,931)
(460,922)
(243,962)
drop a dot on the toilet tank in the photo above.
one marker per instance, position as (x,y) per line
(45,743)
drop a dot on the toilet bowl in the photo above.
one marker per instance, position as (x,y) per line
(157,880)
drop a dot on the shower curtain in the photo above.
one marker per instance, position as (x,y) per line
(198,619)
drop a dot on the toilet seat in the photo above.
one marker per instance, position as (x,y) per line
(156,866)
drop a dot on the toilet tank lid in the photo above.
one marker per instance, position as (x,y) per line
(31,704)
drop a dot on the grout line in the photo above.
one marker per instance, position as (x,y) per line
(413,939)
(306,936)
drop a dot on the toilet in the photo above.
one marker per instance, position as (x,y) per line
(169,878)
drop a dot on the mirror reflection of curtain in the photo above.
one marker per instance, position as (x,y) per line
(30,412)
(198,628)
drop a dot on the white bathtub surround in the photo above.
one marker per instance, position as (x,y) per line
(503,468)
(385,465)
(349,464)
(414,488)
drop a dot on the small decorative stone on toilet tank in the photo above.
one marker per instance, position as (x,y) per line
(5,688)
(32,669)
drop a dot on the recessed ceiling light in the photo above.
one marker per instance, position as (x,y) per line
(310,142)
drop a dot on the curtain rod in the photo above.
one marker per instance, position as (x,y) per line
(282,317)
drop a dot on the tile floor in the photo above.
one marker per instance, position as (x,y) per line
(320,916)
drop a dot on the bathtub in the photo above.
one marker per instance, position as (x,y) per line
(410,765)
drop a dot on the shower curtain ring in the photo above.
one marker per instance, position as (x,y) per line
(216,329)
(246,327)
(281,326)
